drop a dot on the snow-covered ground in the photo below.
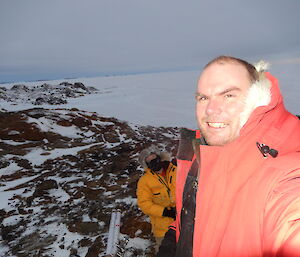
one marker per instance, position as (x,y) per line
(158,99)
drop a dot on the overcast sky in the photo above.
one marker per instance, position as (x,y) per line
(72,38)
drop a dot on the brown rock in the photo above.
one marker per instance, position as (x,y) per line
(44,186)
(84,228)
(64,123)
(96,248)
(81,122)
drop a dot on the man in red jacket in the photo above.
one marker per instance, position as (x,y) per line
(238,180)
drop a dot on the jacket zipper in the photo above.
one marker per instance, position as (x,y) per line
(161,180)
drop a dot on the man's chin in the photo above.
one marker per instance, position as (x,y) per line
(215,141)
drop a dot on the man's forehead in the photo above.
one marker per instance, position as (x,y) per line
(225,66)
(219,78)
(222,73)
(151,156)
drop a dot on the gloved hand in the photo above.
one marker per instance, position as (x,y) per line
(169,212)
(174,161)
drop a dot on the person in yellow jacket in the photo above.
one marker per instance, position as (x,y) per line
(156,190)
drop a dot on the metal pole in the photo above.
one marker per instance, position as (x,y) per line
(110,240)
(116,231)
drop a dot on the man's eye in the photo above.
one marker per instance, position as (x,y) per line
(229,95)
(201,98)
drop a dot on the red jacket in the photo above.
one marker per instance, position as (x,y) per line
(248,204)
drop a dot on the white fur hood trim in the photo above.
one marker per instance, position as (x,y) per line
(259,94)
(262,66)
(165,156)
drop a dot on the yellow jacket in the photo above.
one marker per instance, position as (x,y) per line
(154,193)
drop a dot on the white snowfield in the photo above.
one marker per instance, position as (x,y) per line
(158,99)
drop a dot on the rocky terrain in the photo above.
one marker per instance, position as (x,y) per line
(62,174)
(45,93)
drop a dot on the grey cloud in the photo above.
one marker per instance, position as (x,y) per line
(101,36)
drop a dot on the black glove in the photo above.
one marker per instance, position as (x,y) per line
(174,161)
(171,212)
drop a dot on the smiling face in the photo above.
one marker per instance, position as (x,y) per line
(220,100)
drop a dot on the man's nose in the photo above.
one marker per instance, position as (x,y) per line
(214,106)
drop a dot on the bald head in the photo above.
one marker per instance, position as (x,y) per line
(223,59)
